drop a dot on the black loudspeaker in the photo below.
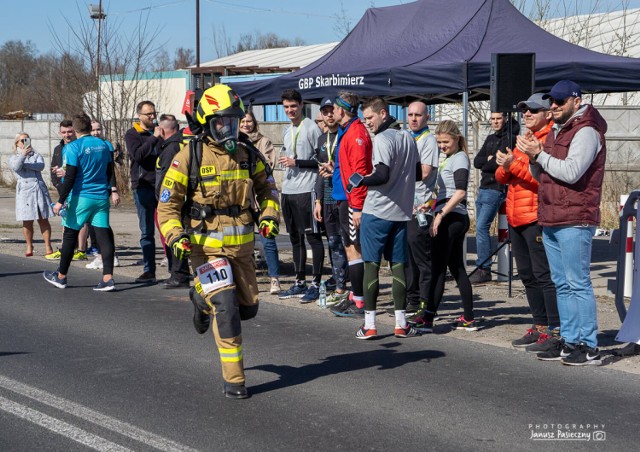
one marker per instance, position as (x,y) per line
(513,79)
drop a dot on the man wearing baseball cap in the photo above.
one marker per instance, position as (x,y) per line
(525,232)
(326,207)
(569,166)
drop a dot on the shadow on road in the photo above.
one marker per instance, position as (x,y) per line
(13,353)
(381,359)
(6,275)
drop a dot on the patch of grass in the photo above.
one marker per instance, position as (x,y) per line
(11,226)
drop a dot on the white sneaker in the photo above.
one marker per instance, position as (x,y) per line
(275,286)
(96,264)
(164,262)
(116,262)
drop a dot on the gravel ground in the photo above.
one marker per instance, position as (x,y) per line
(503,318)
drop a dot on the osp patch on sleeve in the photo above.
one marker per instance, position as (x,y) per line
(165,195)
(360,141)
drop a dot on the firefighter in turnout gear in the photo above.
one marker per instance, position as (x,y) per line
(206,211)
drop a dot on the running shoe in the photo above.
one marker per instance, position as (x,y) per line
(530,337)
(79,256)
(422,322)
(583,355)
(312,294)
(544,343)
(366,334)
(466,325)
(105,286)
(52,278)
(350,311)
(559,350)
(407,331)
(96,264)
(295,291)
(55,255)
(335,298)
(275,286)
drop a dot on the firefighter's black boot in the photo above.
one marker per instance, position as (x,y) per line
(235,391)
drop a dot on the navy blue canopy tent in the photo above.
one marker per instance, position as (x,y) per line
(437,51)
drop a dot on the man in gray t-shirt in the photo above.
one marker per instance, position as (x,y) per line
(387,209)
(297,200)
(418,269)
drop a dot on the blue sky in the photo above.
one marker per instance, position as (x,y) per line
(312,21)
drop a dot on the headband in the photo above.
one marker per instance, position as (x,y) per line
(340,102)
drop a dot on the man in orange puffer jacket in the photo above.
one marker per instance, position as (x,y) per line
(526,234)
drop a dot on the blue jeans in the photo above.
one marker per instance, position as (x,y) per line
(569,251)
(487,204)
(145,199)
(271,256)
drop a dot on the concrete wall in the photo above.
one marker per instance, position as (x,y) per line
(623,144)
(44,137)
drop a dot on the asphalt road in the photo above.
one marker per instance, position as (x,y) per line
(81,370)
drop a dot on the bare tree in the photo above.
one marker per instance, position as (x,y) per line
(183,58)
(221,41)
(343,23)
(123,78)
(162,61)
(249,41)
(17,59)
(40,83)
(257,40)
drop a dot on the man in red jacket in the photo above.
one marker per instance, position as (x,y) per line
(353,155)
(526,234)
(569,166)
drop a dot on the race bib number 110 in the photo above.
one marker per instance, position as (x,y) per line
(215,275)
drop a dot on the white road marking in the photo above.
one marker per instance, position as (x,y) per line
(59,427)
(102,420)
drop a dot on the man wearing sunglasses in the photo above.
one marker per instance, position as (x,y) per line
(525,232)
(569,166)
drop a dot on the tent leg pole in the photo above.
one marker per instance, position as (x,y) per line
(465,113)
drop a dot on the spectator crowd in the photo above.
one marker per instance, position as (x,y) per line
(353,177)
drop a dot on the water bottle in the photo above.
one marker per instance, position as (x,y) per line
(322,300)
(416,201)
(63,211)
(421,216)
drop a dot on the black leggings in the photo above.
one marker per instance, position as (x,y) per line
(300,254)
(105,243)
(447,251)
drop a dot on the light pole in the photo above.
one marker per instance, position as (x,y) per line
(96,13)
(197,33)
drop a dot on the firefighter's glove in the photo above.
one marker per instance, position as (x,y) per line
(269,229)
(181,247)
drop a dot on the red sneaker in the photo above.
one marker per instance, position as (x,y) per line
(365,334)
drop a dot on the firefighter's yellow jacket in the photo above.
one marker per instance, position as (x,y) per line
(228,181)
